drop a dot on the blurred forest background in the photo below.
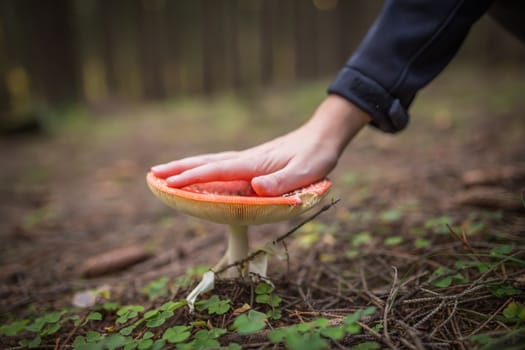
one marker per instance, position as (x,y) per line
(112,52)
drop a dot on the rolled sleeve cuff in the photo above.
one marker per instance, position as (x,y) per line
(387,112)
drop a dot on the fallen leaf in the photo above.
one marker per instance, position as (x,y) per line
(241,310)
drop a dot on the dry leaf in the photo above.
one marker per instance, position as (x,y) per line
(241,310)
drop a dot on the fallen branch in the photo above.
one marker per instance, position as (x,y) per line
(493,176)
(489,197)
(113,260)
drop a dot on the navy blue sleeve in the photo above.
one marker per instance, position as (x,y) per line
(410,43)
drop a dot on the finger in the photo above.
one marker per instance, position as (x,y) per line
(227,170)
(178,166)
(294,176)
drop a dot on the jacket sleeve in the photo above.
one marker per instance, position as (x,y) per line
(408,45)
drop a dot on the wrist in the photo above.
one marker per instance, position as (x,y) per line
(337,120)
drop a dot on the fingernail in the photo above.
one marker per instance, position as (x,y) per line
(159,167)
(171,181)
(260,185)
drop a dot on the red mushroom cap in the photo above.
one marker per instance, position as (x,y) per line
(235,202)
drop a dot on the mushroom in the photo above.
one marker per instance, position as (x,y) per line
(235,203)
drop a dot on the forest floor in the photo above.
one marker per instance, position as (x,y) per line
(425,248)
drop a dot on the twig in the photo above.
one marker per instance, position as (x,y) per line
(73,331)
(305,297)
(413,334)
(457,333)
(410,279)
(477,298)
(494,314)
(433,345)
(430,291)
(452,313)
(407,344)
(462,239)
(410,294)
(332,293)
(430,314)
(377,335)
(280,239)
(366,296)
(444,297)
(377,301)
(388,302)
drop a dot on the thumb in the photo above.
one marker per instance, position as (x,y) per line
(292,177)
(279,182)
(269,185)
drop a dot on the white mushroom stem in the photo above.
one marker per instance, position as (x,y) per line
(238,247)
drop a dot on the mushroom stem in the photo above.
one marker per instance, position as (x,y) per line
(238,248)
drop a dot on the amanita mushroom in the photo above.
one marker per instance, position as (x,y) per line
(236,204)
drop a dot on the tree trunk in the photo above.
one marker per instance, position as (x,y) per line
(109,10)
(305,39)
(51,60)
(151,49)
(234,54)
(265,31)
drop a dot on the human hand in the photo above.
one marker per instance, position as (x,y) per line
(275,167)
(281,165)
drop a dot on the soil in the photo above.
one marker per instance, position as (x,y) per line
(71,195)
